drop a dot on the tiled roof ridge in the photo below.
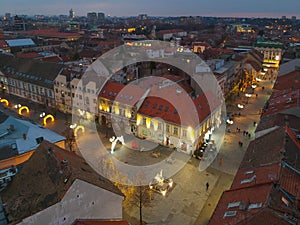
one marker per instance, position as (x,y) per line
(249,218)
(252,186)
(293,136)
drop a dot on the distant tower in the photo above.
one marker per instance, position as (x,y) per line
(101,17)
(153,32)
(71,14)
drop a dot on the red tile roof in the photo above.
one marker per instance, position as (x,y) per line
(293,136)
(54,59)
(265,216)
(279,119)
(100,222)
(174,105)
(257,55)
(3,44)
(180,80)
(290,180)
(29,55)
(125,94)
(51,33)
(282,100)
(255,65)
(271,145)
(243,198)
(263,174)
(40,178)
(288,81)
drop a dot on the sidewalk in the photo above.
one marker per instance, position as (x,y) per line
(231,153)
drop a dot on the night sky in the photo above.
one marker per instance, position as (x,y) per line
(235,8)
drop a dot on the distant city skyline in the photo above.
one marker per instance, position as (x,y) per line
(217,8)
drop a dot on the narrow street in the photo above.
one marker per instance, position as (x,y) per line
(231,154)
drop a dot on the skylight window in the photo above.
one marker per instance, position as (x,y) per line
(160,107)
(131,97)
(154,105)
(146,103)
(110,93)
(233,204)
(166,109)
(249,172)
(230,213)
(175,111)
(248,180)
(255,206)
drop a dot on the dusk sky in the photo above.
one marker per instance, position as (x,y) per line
(238,8)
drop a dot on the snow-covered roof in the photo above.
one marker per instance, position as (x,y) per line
(20,42)
(25,134)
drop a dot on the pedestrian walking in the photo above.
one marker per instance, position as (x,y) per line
(207,186)
(220,161)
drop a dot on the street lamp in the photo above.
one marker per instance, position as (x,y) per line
(4,101)
(248,96)
(229,121)
(240,106)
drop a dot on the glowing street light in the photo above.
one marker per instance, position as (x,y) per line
(254,86)
(240,106)
(229,121)
(45,117)
(73,126)
(248,95)
(2,100)
(21,108)
(42,114)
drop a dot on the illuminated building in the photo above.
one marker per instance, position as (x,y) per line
(29,79)
(272,52)
(71,14)
(118,105)
(181,124)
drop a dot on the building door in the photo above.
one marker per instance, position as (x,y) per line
(103,120)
